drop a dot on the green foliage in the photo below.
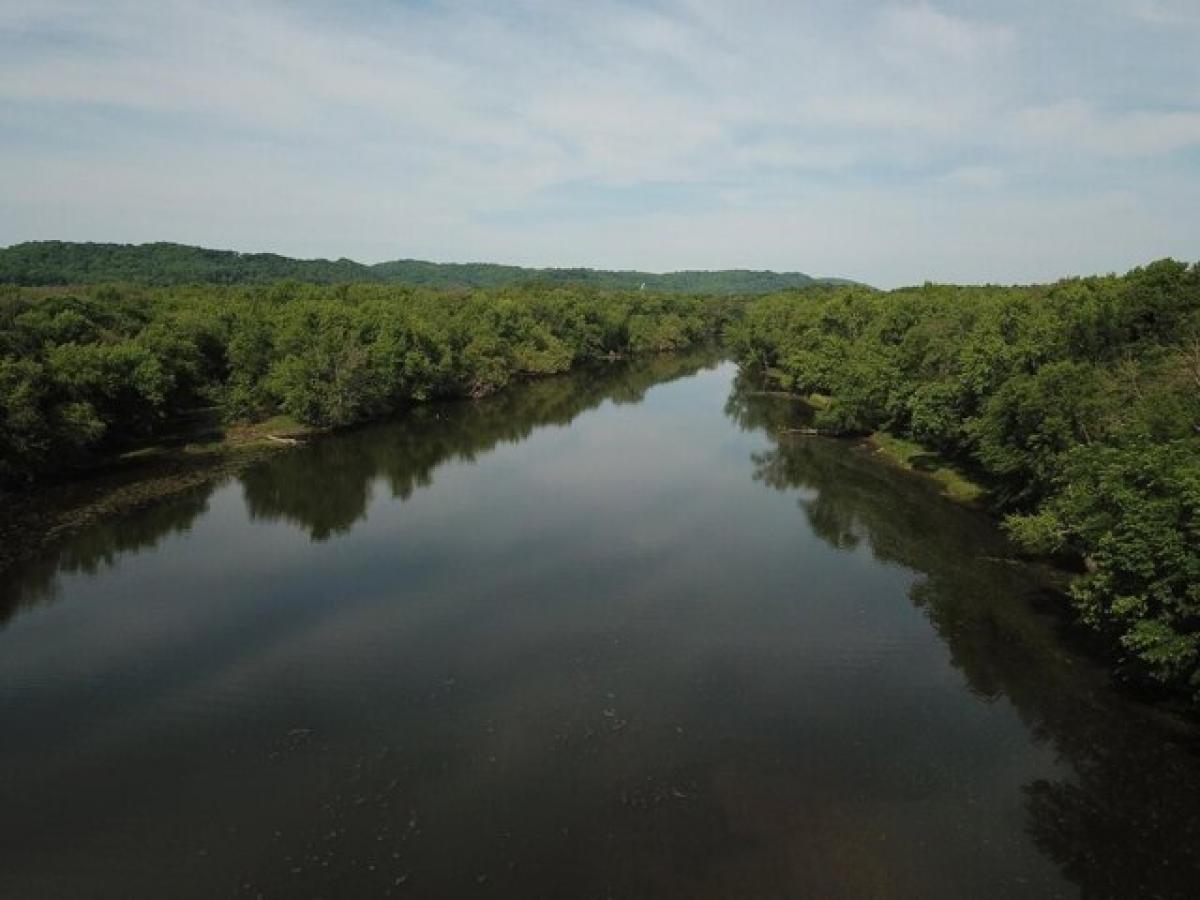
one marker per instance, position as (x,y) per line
(61,263)
(1077,404)
(1136,508)
(82,376)
(1027,425)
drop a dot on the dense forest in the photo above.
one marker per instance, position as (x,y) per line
(64,263)
(88,373)
(1077,405)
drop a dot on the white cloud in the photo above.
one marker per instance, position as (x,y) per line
(684,133)
(1078,127)
(908,31)
(1166,12)
(975,177)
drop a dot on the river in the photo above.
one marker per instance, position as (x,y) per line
(603,635)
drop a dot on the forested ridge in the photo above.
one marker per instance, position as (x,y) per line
(1076,404)
(67,263)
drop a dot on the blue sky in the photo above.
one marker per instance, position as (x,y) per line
(963,140)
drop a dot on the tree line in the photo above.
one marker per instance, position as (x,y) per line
(67,263)
(1076,404)
(88,373)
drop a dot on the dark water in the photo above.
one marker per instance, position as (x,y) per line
(601,636)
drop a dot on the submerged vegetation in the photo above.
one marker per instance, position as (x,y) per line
(1077,405)
(85,374)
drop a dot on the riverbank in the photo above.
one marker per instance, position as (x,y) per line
(952,481)
(37,518)
(201,452)
(912,457)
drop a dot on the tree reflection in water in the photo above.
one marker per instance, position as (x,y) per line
(707,779)
(405,454)
(98,547)
(1127,822)
(325,487)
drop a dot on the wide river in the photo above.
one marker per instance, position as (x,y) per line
(602,636)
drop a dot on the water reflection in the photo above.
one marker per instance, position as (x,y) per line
(1126,822)
(661,652)
(326,486)
(405,454)
(95,548)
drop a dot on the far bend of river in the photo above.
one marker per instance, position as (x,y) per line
(601,636)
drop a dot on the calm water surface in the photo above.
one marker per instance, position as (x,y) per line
(602,636)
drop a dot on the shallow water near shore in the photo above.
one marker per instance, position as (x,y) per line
(603,635)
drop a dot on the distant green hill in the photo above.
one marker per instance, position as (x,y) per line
(63,262)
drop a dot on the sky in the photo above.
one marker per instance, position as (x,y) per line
(890,142)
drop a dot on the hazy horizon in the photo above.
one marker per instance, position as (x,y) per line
(818,275)
(893,143)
